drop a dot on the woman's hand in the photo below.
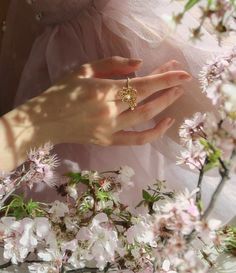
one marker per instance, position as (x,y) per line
(85,106)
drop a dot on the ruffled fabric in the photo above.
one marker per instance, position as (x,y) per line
(105,28)
(81,31)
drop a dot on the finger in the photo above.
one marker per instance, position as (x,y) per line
(147,86)
(113,66)
(169,66)
(141,138)
(148,110)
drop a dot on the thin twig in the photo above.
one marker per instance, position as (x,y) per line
(199,185)
(83,270)
(2,266)
(224,177)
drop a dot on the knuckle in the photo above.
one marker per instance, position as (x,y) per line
(139,84)
(146,112)
(168,79)
(174,63)
(83,70)
(115,59)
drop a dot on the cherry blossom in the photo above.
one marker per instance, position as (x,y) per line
(96,229)
(42,268)
(194,156)
(72,191)
(58,210)
(193,129)
(141,232)
(218,80)
(166,267)
(102,240)
(124,177)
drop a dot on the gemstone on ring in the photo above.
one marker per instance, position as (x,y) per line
(128,94)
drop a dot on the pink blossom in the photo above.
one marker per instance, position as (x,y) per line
(218,80)
(207,229)
(193,129)
(42,165)
(193,156)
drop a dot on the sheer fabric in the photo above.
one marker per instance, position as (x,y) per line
(80,31)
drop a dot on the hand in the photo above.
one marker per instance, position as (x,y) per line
(85,106)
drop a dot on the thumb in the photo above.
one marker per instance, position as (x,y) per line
(113,66)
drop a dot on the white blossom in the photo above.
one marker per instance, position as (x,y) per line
(193,129)
(91,175)
(193,156)
(124,177)
(58,209)
(42,227)
(166,267)
(101,238)
(229,92)
(42,268)
(141,232)
(72,191)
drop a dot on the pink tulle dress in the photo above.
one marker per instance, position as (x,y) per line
(47,38)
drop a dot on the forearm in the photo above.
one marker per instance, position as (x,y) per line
(21,129)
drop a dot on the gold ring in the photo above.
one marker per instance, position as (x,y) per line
(129,95)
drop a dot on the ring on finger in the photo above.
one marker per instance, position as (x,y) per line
(128,94)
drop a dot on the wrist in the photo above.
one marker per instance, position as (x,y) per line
(20,132)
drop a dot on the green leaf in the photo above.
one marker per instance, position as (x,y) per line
(19,213)
(16,202)
(213,155)
(20,209)
(147,196)
(77,178)
(103,195)
(200,205)
(33,208)
(209,2)
(190,4)
(157,198)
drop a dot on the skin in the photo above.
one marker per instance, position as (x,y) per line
(84,107)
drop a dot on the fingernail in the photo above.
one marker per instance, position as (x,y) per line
(135,62)
(186,77)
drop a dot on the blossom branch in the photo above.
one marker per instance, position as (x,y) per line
(83,270)
(224,177)
(219,13)
(199,184)
(3,266)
